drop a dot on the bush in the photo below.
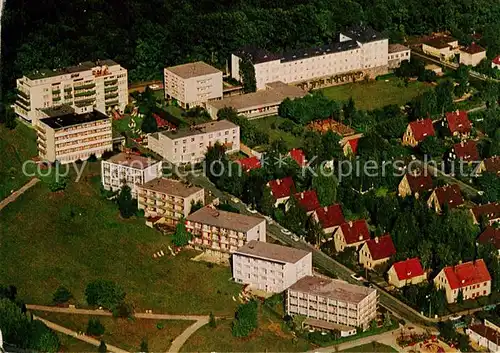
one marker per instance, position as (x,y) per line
(92,158)
(160,325)
(245,319)
(95,328)
(104,293)
(58,185)
(61,295)
(123,310)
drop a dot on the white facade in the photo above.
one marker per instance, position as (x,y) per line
(189,145)
(270,267)
(102,85)
(131,169)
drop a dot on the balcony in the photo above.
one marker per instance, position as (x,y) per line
(23,94)
(85,94)
(111,82)
(85,102)
(113,102)
(111,95)
(110,89)
(56,99)
(56,91)
(86,86)
(69,89)
(70,96)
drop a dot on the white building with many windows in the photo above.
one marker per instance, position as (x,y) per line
(270,267)
(189,145)
(129,169)
(101,84)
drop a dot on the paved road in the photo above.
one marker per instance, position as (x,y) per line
(12,197)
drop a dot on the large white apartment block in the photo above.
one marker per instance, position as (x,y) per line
(193,84)
(65,136)
(102,85)
(129,169)
(221,232)
(189,145)
(270,267)
(167,199)
(359,49)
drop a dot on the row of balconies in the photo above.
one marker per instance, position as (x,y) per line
(97,146)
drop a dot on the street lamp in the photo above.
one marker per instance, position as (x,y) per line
(428,297)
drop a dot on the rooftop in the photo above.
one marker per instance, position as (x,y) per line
(355,231)
(467,151)
(440,42)
(308,200)
(194,69)
(408,269)
(473,49)
(71,119)
(397,48)
(205,128)
(490,235)
(458,121)
(298,156)
(492,164)
(449,195)
(273,252)
(419,182)
(330,216)
(363,34)
(132,160)
(332,288)
(223,219)
(249,163)
(87,65)
(487,332)
(282,187)
(171,187)
(381,247)
(467,274)
(58,110)
(490,211)
(422,128)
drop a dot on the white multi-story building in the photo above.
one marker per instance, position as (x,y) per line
(189,145)
(221,232)
(65,136)
(129,169)
(193,84)
(332,300)
(102,85)
(270,267)
(360,50)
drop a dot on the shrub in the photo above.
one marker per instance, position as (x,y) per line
(58,185)
(160,325)
(92,158)
(61,295)
(212,323)
(245,319)
(95,328)
(104,293)
(123,310)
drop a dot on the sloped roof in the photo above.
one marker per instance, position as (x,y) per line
(487,332)
(408,269)
(496,60)
(354,145)
(449,195)
(490,236)
(282,187)
(355,231)
(308,200)
(458,121)
(419,182)
(473,49)
(195,69)
(422,129)
(298,156)
(249,163)
(466,274)
(330,216)
(223,219)
(489,210)
(492,164)
(272,251)
(381,247)
(467,151)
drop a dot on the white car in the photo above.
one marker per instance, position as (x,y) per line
(285,231)
(235,200)
(357,277)
(455,317)
(295,238)
(251,210)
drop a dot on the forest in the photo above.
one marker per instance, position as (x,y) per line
(146,35)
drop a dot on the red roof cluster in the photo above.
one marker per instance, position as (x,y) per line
(496,60)
(492,164)
(458,121)
(422,129)
(330,216)
(308,200)
(490,236)
(282,187)
(249,163)
(298,156)
(381,247)
(449,195)
(467,274)
(355,231)
(490,334)
(408,269)
(419,182)
(161,123)
(489,211)
(466,151)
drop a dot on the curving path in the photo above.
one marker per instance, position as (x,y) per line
(12,197)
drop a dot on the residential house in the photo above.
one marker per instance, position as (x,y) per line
(330,218)
(281,189)
(490,165)
(308,201)
(464,151)
(443,47)
(449,196)
(351,234)
(376,251)
(333,301)
(221,233)
(471,278)
(490,212)
(417,131)
(168,199)
(397,54)
(458,123)
(490,235)
(193,84)
(484,336)
(250,163)
(472,55)
(408,272)
(415,184)
(298,156)
(131,169)
(270,267)
(351,147)
(495,63)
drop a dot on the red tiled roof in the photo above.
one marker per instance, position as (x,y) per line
(492,164)
(473,49)
(420,182)
(422,128)
(467,274)
(497,60)
(458,121)
(249,163)
(298,156)
(487,332)
(490,235)
(355,231)
(162,122)
(449,195)
(381,247)
(282,187)
(466,151)
(330,216)
(354,145)
(408,269)
(489,210)
(308,200)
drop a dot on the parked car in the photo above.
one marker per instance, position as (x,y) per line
(285,231)
(235,200)
(251,210)
(295,238)
(357,277)
(455,317)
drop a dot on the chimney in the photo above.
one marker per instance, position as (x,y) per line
(457,111)
(350,223)
(325,208)
(462,143)
(376,240)
(302,195)
(278,181)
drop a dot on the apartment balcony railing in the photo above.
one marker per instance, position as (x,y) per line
(23,94)
(86,86)
(110,89)
(85,102)
(68,96)
(56,91)
(56,99)
(111,95)
(22,104)
(113,102)
(85,94)
(111,82)
(69,89)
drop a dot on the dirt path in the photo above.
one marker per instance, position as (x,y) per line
(12,197)
(179,341)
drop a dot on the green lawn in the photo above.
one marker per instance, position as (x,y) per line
(123,333)
(371,347)
(376,94)
(73,237)
(268,337)
(264,125)
(70,344)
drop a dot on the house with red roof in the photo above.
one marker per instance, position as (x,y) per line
(281,189)
(351,234)
(485,335)
(458,123)
(449,195)
(490,212)
(308,200)
(465,151)
(376,251)
(490,165)
(472,55)
(490,235)
(471,278)
(298,156)
(417,131)
(329,217)
(250,163)
(351,147)
(408,272)
(495,63)
(414,184)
